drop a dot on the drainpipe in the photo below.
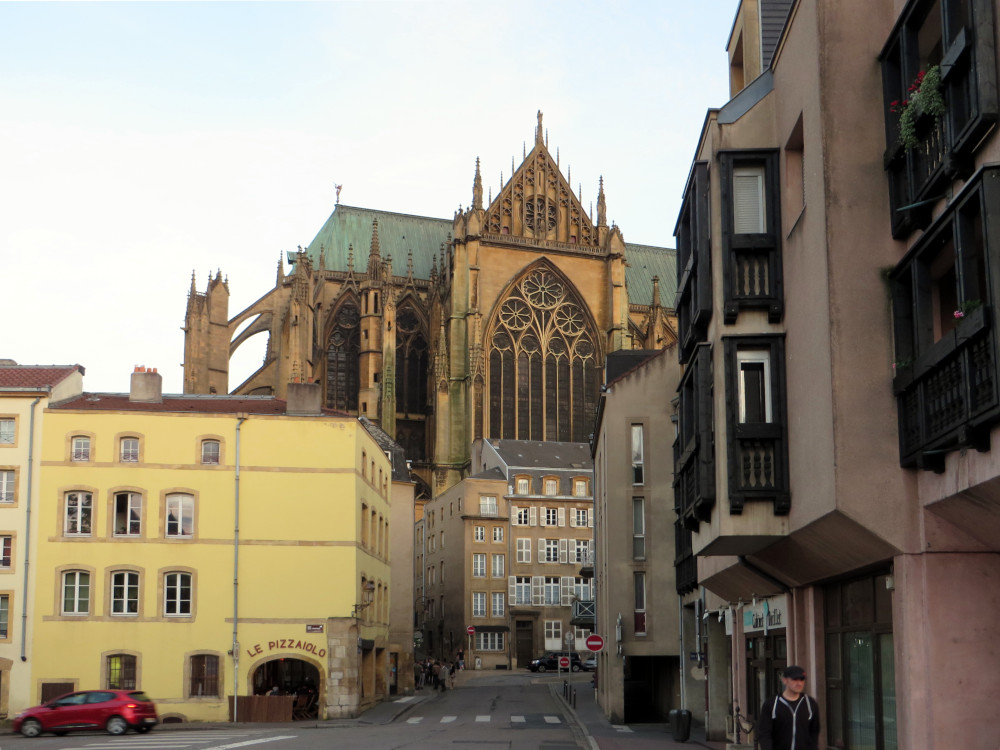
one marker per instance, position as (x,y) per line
(27,532)
(236,574)
(680,637)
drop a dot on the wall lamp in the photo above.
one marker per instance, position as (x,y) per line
(367,594)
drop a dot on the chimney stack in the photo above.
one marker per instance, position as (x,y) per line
(147,386)
(304,399)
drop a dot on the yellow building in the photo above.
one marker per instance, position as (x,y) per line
(25,390)
(197,547)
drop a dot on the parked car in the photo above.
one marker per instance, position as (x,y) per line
(114,710)
(549,662)
(589,664)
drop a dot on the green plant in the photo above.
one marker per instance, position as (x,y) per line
(970,305)
(925,98)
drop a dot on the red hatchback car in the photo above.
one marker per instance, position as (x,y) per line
(113,710)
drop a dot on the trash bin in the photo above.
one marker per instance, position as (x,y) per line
(680,724)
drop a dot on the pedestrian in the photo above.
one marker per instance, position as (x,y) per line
(452,669)
(461,658)
(789,721)
(438,681)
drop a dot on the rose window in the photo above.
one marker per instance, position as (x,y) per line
(515,314)
(542,290)
(569,319)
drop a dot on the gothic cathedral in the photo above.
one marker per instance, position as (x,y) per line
(493,324)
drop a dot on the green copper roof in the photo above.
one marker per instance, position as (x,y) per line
(400,233)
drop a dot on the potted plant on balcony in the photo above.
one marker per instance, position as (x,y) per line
(925,98)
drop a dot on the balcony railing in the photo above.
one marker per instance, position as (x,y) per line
(586,563)
(947,394)
(584,609)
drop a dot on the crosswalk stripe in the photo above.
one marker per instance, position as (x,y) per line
(516,719)
(415,720)
(448,719)
(407,699)
(552,720)
(482,717)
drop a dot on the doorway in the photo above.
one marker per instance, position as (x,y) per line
(525,640)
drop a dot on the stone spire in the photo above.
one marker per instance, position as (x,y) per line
(477,189)
(374,255)
(602,208)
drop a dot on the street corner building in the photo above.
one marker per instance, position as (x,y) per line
(839,403)
(206,548)
(492,324)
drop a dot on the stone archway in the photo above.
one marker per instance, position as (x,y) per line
(291,676)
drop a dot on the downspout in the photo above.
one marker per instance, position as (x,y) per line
(27,532)
(680,637)
(236,574)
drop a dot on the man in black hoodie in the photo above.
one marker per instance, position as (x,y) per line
(789,721)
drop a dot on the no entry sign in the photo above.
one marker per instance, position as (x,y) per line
(563,662)
(595,642)
(471,630)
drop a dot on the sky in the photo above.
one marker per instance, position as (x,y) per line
(144,142)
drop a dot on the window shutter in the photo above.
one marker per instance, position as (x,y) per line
(562,516)
(563,550)
(590,519)
(566,584)
(542,516)
(532,516)
(572,517)
(748,200)
(527,550)
(541,550)
(513,515)
(512,588)
(537,592)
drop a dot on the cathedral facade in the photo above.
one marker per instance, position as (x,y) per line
(495,323)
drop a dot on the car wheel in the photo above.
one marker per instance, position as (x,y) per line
(117,725)
(31,728)
(541,667)
(143,730)
(575,667)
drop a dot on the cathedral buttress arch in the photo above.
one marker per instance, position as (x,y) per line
(544,360)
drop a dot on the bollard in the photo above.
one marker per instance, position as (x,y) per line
(566,689)
(574,699)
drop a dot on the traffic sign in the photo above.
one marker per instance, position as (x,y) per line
(595,642)
(563,662)
(471,630)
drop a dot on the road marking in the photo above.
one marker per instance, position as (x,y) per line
(516,719)
(448,719)
(482,717)
(620,728)
(159,743)
(407,699)
(415,720)
(552,720)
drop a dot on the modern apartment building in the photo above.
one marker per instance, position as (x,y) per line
(25,391)
(513,538)
(839,272)
(639,672)
(205,547)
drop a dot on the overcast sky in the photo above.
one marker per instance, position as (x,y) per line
(142,141)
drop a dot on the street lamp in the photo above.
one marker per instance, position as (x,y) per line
(367,595)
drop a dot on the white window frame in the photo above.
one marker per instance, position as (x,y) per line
(749,199)
(6,551)
(583,589)
(133,515)
(548,551)
(127,452)
(207,456)
(551,486)
(175,604)
(489,642)
(78,518)
(182,505)
(580,488)
(73,582)
(81,448)
(488,505)
(497,565)
(8,483)
(754,356)
(523,545)
(519,590)
(553,629)
(523,485)
(479,604)
(498,534)
(479,565)
(638,528)
(581,550)
(479,534)
(551,517)
(8,430)
(638,454)
(552,591)
(498,602)
(125,593)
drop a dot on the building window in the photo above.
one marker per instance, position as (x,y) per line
(551,591)
(204,676)
(180,516)
(479,604)
(79,514)
(76,592)
(489,641)
(581,550)
(638,528)
(128,514)
(758,447)
(81,448)
(4,616)
(582,589)
(7,429)
(551,548)
(497,566)
(637,454)
(498,601)
(580,517)
(748,199)
(551,486)
(639,581)
(523,516)
(498,534)
(580,488)
(121,672)
(7,486)
(479,534)
(6,543)
(210,450)
(523,485)
(488,506)
(177,595)
(551,516)
(479,565)
(129,450)
(693,301)
(553,630)
(524,550)
(521,593)
(125,593)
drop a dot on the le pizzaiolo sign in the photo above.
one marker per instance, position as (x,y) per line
(285,644)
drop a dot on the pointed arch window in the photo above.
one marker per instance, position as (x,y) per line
(343,358)
(411,362)
(543,364)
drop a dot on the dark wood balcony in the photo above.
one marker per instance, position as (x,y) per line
(584,614)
